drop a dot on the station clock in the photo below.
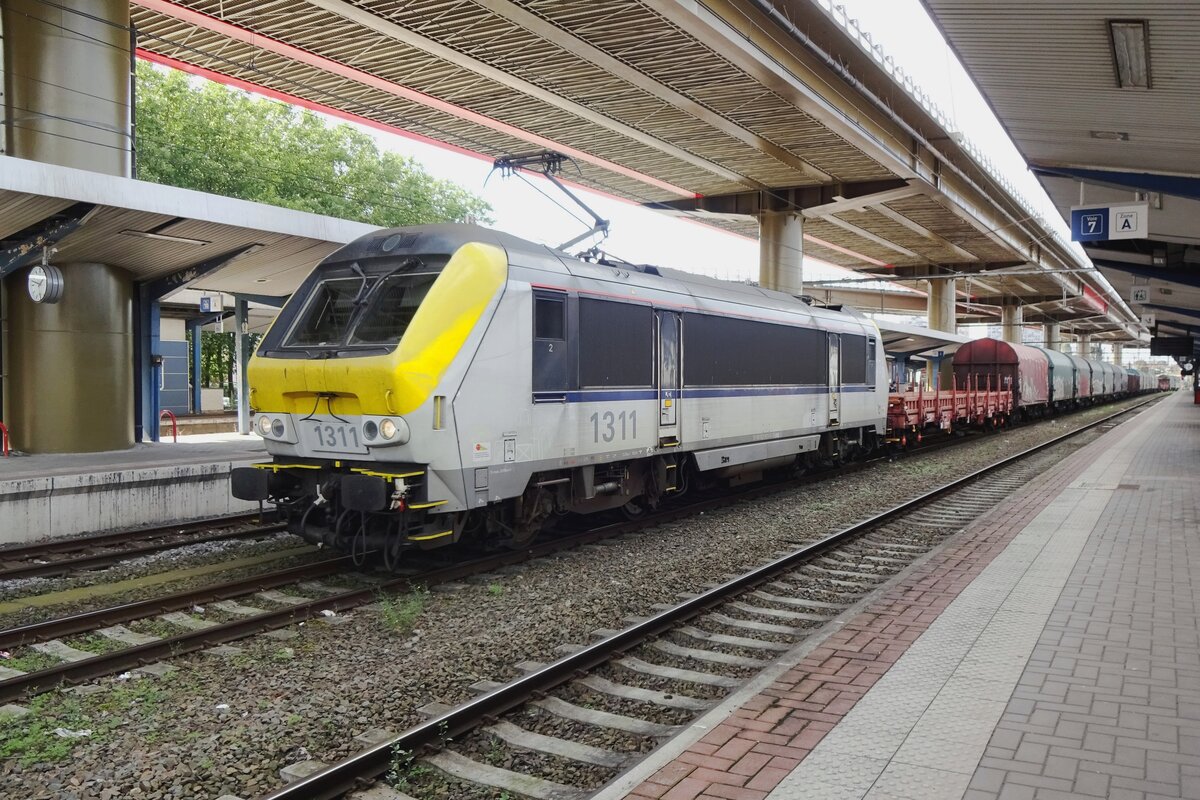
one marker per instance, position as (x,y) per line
(45,284)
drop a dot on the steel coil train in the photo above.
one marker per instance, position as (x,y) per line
(435,383)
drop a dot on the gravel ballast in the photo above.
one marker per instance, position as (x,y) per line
(227,724)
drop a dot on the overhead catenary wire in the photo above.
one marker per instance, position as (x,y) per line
(453,136)
(449,135)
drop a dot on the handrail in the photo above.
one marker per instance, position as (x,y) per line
(4,438)
(174,423)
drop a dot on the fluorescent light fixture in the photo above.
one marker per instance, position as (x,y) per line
(165,237)
(1130,40)
(1112,136)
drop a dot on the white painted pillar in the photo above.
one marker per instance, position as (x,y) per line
(1053,336)
(1011,318)
(939,307)
(781,251)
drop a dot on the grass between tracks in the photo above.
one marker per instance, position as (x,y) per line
(399,613)
(58,721)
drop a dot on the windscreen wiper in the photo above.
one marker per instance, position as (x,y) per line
(363,292)
(411,261)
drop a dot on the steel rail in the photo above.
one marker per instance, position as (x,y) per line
(106,539)
(139,609)
(347,775)
(138,655)
(67,565)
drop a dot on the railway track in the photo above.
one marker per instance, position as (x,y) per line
(646,681)
(105,549)
(271,609)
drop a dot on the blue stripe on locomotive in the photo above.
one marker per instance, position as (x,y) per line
(599,395)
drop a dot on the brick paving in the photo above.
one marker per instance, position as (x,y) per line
(1109,702)
(896,739)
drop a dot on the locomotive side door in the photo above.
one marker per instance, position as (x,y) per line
(835,378)
(668,324)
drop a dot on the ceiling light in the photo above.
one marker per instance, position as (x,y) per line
(165,237)
(1114,136)
(1131,52)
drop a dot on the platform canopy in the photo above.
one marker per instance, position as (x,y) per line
(179,237)
(1101,100)
(721,110)
(906,341)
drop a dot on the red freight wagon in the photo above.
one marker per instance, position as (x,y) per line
(1024,369)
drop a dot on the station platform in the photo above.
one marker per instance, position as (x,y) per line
(1049,650)
(62,494)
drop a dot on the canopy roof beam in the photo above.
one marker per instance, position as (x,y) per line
(413,39)
(28,245)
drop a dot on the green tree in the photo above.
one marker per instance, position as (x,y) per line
(225,141)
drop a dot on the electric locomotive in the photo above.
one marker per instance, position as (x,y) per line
(437,382)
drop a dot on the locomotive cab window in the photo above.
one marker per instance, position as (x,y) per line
(327,316)
(854,359)
(549,315)
(554,370)
(871,360)
(392,307)
(364,310)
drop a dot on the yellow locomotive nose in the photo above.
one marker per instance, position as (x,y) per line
(401,380)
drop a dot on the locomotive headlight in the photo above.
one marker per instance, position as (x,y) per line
(277,429)
(263,424)
(385,431)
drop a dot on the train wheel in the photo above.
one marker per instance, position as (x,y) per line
(635,509)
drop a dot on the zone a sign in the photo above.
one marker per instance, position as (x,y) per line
(1104,223)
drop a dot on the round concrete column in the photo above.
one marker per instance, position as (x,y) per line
(1011,318)
(66,83)
(781,251)
(1052,334)
(69,382)
(72,362)
(939,306)
(1117,353)
(1085,345)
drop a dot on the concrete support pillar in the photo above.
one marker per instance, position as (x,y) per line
(70,364)
(241,387)
(939,306)
(1052,335)
(66,83)
(781,251)
(1011,316)
(66,100)
(1117,353)
(1085,345)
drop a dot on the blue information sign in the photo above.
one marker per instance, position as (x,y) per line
(1101,223)
(1089,224)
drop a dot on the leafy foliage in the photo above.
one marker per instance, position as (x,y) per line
(225,141)
(216,358)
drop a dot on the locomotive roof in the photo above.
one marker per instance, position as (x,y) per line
(448,237)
